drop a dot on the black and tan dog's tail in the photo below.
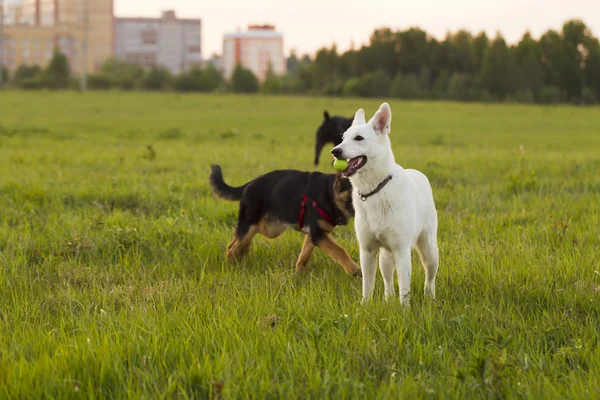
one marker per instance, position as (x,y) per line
(222,189)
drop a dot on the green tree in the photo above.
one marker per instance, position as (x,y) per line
(211,79)
(379,84)
(189,81)
(243,80)
(157,78)
(58,72)
(354,87)
(462,42)
(440,88)
(498,74)
(552,59)
(406,86)
(592,68)
(479,47)
(25,72)
(272,83)
(5,75)
(123,74)
(462,87)
(577,42)
(527,58)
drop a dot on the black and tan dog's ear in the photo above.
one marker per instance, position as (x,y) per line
(341,184)
(326,115)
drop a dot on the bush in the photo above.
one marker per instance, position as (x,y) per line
(190,81)
(378,84)
(462,87)
(199,80)
(75,84)
(272,84)
(98,82)
(588,96)
(406,87)
(353,87)
(211,79)
(549,95)
(5,75)
(157,78)
(58,71)
(440,87)
(291,84)
(41,81)
(335,88)
(525,96)
(243,80)
(127,84)
(26,72)
(32,84)
(486,96)
(123,75)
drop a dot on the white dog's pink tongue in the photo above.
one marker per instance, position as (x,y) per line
(354,162)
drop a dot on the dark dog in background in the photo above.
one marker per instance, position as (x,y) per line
(331,131)
(311,202)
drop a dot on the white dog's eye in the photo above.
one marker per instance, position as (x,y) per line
(359,138)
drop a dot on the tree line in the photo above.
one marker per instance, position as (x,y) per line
(560,66)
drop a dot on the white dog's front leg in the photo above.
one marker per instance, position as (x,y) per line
(387,267)
(403,267)
(368,266)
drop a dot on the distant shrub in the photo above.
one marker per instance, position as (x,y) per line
(378,84)
(549,95)
(524,96)
(353,87)
(157,78)
(98,82)
(463,87)
(123,75)
(406,87)
(243,80)
(58,72)
(26,72)
(589,97)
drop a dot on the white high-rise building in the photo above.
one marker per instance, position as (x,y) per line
(171,42)
(254,49)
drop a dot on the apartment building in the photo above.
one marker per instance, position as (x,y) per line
(32,28)
(168,41)
(254,49)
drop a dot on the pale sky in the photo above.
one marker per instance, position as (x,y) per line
(308,25)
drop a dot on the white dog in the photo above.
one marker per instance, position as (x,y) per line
(395,211)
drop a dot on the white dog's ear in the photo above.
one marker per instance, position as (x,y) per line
(359,117)
(382,119)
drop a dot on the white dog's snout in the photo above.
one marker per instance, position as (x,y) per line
(337,152)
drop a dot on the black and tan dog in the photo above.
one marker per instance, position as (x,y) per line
(311,202)
(330,131)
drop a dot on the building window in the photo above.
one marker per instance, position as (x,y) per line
(143,59)
(35,49)
(149,36)
(8,53)
(67,45)
(194,49)
(25,49)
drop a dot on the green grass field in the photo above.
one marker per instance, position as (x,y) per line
(113,282)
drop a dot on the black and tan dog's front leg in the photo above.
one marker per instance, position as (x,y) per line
(325,242)
(305,254)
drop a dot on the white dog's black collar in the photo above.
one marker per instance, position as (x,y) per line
(384,182)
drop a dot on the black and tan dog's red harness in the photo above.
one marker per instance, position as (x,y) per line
(314,204)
